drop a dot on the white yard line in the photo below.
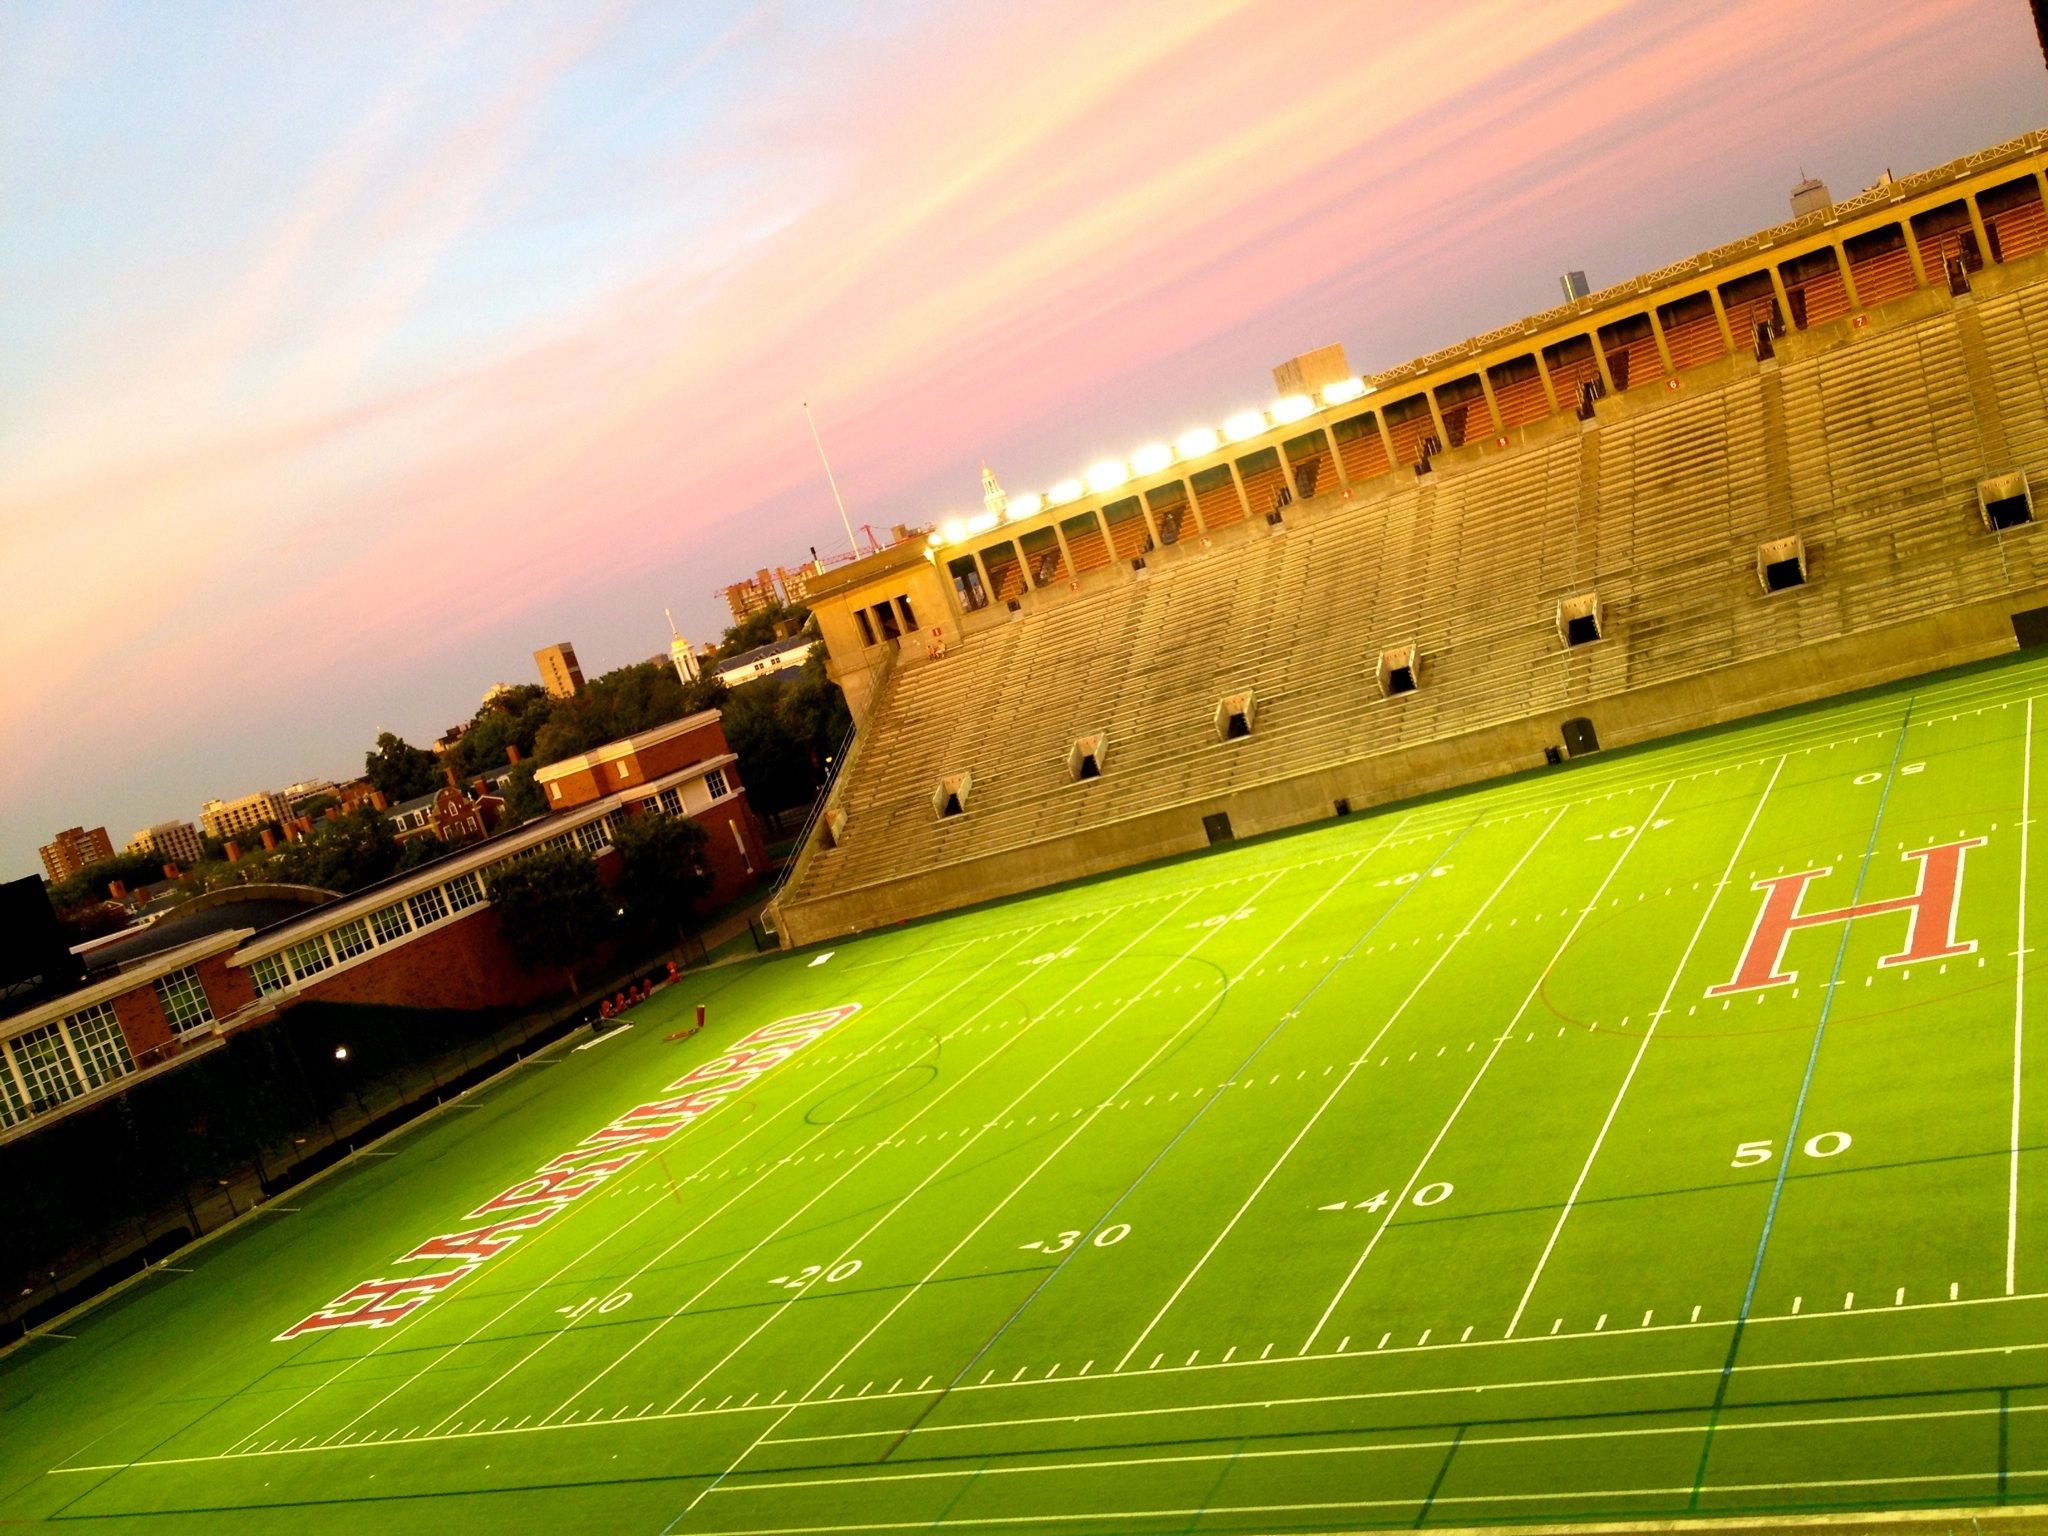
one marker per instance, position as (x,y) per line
(1350,1071)
(1642,1048)
(2019,1007)
(1134,1076)
(1507,1033)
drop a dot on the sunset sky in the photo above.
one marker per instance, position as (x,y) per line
(350,352)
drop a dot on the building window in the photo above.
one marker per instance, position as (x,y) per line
(352,938)
(429,906)
(671,800)
(308,957)
(715,782)
(269,974)
(45,1066)
(592,836)
(390,923)
(184,1000)
(12,1108)
(102,1048)
(464,891)
(867,630)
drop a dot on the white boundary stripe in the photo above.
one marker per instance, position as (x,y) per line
(1462,1389)
(747,1188)
(2019,1007)
(1096,1516)
(1642,1049)
(768,1481)
(392,1335)
(1024,976)
(1507,1032)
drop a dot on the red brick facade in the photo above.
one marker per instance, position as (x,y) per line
(462,963)
(593,778)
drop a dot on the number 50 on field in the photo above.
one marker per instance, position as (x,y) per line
(1826,1144)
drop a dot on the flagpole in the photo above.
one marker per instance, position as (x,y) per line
(846,521)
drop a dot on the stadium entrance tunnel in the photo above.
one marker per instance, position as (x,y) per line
(1581,620)
(949,796)
(1235,714)
(1580,739)
(1086,757)
(2006,501)
(1400,670)
(1781,564)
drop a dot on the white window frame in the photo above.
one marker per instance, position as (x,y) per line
(98,1045)
(182,996)
(309,957)
(393,917)
(52,1050)
(352,938)
(464,891)
(270,974)
(427,907)
(715,782)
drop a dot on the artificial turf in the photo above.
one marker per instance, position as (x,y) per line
(1382,1174)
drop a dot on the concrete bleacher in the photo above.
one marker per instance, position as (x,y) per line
(1866,442)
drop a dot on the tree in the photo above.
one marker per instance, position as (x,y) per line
(763,625)
(90,883)
(523,799)
(663,872)
(774,764)
(341,855)
(400,769)
(551,909)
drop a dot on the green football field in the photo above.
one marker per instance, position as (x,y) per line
(1407,1170)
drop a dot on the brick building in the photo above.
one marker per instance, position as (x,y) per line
(74,848)
(172,842)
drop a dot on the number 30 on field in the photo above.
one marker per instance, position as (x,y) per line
(1826,1144)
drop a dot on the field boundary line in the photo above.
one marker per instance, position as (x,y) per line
(1642,1049)
(1507,1032)
(1820,1029)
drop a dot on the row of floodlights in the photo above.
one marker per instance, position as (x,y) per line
(1112,473)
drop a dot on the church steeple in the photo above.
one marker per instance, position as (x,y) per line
(992,494)
(680,653)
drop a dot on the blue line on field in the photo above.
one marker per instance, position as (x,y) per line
(1820,1029)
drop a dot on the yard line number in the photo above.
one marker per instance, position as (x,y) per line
(1827,1144)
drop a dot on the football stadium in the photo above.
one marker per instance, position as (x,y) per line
(1457,950)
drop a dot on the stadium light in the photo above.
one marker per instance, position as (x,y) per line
(1343,390)
(1026,505)
(1192,445)
(981,522)
(1150,459)
(1107,475)
(935,538)
(1064,492)
(1292,408)
(341,1053)
(1243,425)
(955,530)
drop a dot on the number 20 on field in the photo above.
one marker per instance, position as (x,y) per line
(1826,1144)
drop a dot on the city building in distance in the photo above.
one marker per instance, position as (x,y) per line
(558,670)
(173,842)
(224,819)
(74,848)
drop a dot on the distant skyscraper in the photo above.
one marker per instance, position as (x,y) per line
(1575,286)
(1811,195)
(230,818)
(74,848)
(558,670)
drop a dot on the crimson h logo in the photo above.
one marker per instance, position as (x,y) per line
(1931,934)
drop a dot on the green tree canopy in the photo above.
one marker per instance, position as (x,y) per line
(400,769)
(90,883)
(663,872)
(551,909)
(343,855)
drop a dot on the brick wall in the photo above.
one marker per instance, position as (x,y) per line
(461,963)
